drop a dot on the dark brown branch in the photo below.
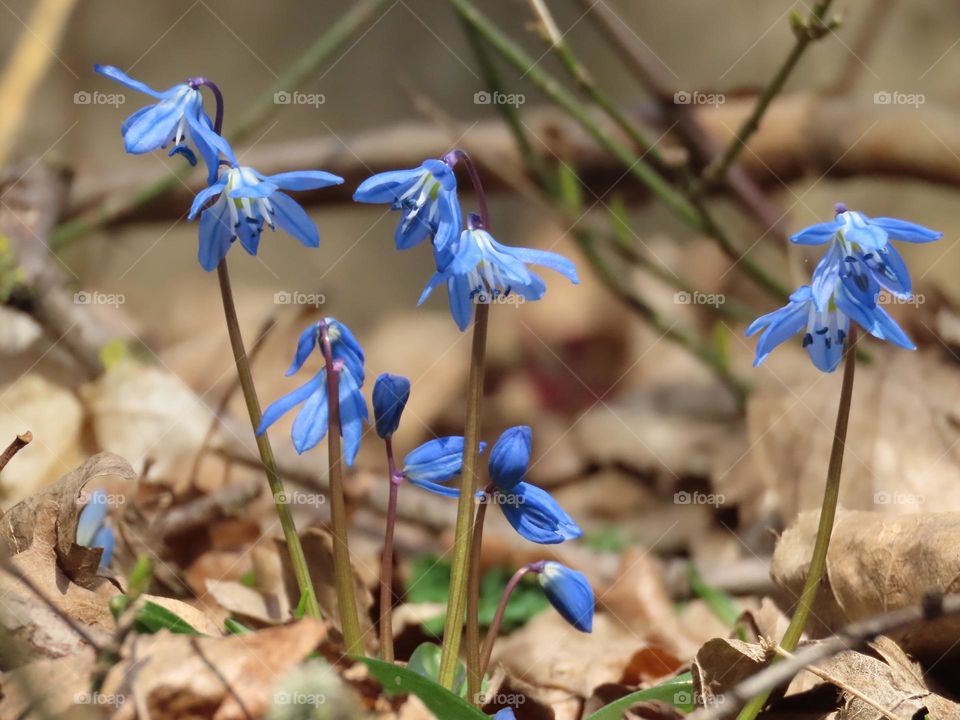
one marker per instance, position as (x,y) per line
(18,444)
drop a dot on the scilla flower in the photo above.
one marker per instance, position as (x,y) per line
(390,395)
(248,200)
(854,235)
(310,426)
(435,462)
(843,290)
(569,593)
(535,515)
(177,119)
(92,528)
(510,457)
(426,197)
(478,269)
(505,714)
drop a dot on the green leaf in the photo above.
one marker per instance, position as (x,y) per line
(676,691)
(235,627)
(441,702)
(720,603)
(153,618)
(425,661)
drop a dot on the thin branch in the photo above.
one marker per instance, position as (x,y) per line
(854,636)
(805,32)
(18,444)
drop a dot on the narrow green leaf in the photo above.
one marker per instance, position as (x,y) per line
(153,618)
(720,603)
(677,691)
(441,702)
(235,627)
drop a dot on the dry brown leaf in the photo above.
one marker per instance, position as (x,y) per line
(22,687)
(167,677)
(28,618)
(68,494)
(902,450)
(54,415)
(142,411)
(876,564)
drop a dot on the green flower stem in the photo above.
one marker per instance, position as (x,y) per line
(297,559)
(805,32)
(342,568)
(694,214)
(474,674)
(456,601)
(828,512)
(386,559)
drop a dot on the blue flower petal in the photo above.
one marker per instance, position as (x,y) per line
(306,344)
(817,234)
(551,260)
(412,230)
(353,413)
(436,460)
(281,406)
(906,231)
(450,220)
(459,293)
(152,129)
(387,187)
(201,198)
(121,77)
(534,514)
(889,270)
(570,594)
(104,539)
(294,219)
(304,180)
(505,714)
(310,426)
(215,233)
(91,517)
(248,231)
(510,457)
(390,395)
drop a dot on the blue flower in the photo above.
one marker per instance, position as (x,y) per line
(478,269)
(246,201)
(92,528)
(534,514)
(842,291)
(427,195)
(178,119)
(310,426)
(436,461)
(569,593)
(867,239)
(510,457)
(505,714)
(390,395)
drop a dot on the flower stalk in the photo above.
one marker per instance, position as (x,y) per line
(828,512)
(386,560)
(494,631)
(472,634)
(343,570)
(297,558)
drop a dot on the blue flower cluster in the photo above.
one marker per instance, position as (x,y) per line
(474,267)
(859,263)
(243,199)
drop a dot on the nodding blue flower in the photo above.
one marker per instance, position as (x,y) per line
(570,594)
(178,119)
(505,714)
(534,514)
(436,461)
(390,395)
(92,528)
(343,347)
(510,457)
(427,197)
(246,201)
(310,426)
(478,270)
(867,239)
